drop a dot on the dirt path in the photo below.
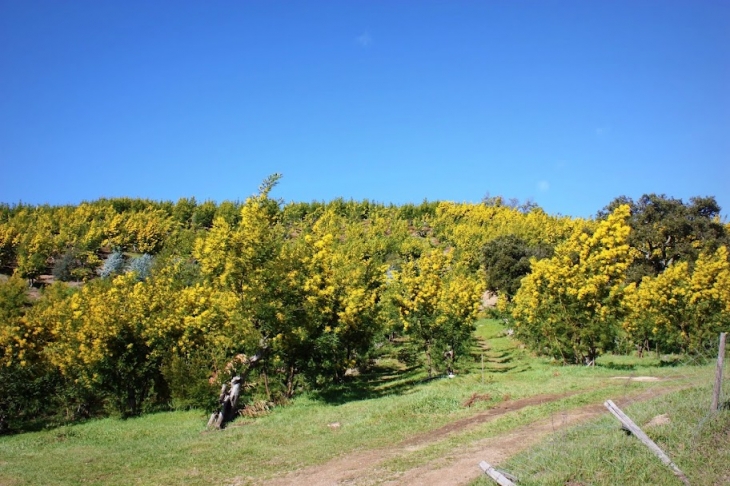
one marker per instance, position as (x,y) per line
(460,467)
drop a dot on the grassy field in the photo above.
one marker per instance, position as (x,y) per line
(600,453)
(380,409)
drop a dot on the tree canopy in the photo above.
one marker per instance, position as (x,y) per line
(156,303)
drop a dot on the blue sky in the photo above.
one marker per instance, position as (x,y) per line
(569,103)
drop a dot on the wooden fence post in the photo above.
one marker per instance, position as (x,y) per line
(500,478)
(718,374)
(639,434)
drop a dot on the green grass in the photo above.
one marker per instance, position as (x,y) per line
(600,453)
(383,407)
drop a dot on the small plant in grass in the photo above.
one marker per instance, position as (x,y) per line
(257,408)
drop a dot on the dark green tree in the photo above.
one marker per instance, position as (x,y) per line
(183,210)
(666,230)
(64,265)
(506,260)
(204,214)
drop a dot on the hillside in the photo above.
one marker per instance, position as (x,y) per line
(392,426)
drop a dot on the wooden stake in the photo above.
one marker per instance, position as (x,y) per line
(500,478)
(718,374)
(639,434)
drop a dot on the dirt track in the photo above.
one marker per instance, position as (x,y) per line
(459,467)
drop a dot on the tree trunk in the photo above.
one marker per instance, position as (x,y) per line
(235,392)
(229,398)
(266,385)
(290,382)
(428,355)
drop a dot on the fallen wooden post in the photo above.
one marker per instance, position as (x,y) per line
(499,477)
(639,434)
(509,476)
(718,374)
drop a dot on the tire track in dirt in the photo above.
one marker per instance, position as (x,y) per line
(459,467)
(462,466)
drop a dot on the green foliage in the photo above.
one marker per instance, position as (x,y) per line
(570,305)
(30,395)
(230,212)
(506,260)
(204,214)
(665,230)
(409,354)
(127,376)
(315,288)
(190,379)
(64,267)
(141,266)
(183,210)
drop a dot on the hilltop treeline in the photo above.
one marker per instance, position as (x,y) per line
(154,304)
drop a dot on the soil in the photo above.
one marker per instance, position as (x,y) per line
(460,466)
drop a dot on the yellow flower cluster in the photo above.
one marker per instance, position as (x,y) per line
(681,306)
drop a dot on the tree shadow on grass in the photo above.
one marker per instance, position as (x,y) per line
(671,362)
(617,366)
(378,381)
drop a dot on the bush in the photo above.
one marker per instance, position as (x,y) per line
(190,380)
(63,266)
(128,379)
(409,354)
(141,266)
(29,396)
(112,265)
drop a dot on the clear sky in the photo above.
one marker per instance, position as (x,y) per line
(569,103)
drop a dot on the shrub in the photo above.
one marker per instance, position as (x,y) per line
(409,354)
(190,380)
(64,266)
(112,265)
(141,266)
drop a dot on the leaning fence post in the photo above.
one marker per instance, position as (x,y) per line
(639,434)
(718,374)
(494,474)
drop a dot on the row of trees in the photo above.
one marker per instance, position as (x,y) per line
(653,274)
(311,296)
(34,239)
(177,295)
